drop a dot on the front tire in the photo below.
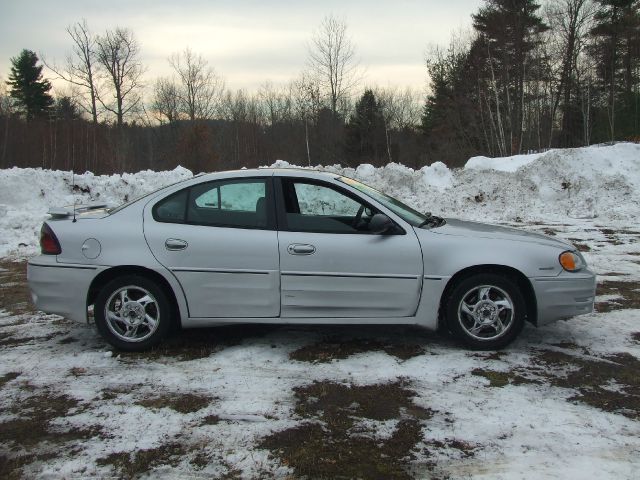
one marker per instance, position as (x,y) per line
(486,311)
(132,313)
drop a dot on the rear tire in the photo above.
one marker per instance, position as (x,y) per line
(132,313)
(486,311)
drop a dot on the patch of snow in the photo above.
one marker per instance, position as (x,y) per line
(280,164)
(502,164)
(376,429)
(437,175)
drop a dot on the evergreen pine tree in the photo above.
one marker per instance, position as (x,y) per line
(509,32)
(27,87)
(616,49)
(66,108)
(450,120)
(365,129)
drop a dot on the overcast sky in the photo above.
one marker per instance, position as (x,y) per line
(248,42)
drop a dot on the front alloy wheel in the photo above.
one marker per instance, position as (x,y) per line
(486,311)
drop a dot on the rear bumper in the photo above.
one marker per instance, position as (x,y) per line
(60,288)
(564,296)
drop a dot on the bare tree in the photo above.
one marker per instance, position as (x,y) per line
(201,87)
(586,78)
(235,109)
(5,111)
(118,54)
(5,99)
(332,60)
(166,100)
(570,21)
(306,99)
(80,66)
(388,102)
(401,109)
(408,108)
(277,103)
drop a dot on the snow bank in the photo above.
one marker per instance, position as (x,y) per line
(594,182)
(26,194)
(600,182)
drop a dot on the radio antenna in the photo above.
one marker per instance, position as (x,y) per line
(73,179)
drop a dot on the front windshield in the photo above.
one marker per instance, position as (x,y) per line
(405,212)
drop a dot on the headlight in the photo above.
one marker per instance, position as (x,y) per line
(571,261)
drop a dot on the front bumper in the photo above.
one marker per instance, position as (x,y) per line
(564,296)
(60,288)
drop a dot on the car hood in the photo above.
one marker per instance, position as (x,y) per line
(483,230)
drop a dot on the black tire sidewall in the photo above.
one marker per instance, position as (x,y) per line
(500,281)
(162,303)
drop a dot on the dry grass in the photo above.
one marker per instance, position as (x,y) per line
(327,447)
(629,293)
(14,291)
(336,348)
(133,464)
(179,402)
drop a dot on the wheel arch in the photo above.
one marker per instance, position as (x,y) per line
(524,284)
(109,274)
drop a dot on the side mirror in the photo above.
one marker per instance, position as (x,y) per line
(380,223)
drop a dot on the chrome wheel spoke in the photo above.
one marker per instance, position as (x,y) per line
(483,293)
(503,305)
(476,329)
(150,322)
(146,300)
(114,317)
(466,309)
(131,331)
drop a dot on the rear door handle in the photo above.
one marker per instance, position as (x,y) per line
(301,249)
(175,244)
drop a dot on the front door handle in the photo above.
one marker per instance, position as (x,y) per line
(175,244)
(301,249)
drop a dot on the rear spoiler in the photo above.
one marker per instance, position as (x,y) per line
(68,211)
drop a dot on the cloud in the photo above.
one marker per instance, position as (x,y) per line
(248,42)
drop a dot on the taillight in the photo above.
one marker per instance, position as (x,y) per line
(49,244)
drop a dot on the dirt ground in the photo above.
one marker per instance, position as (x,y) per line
(328,402)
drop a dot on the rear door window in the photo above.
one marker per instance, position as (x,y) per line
(236,203)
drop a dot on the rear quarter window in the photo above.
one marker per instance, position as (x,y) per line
(172,208)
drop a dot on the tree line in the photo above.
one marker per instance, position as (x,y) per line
(527,77)
(566,74)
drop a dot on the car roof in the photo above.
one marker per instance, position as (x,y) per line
(269,172)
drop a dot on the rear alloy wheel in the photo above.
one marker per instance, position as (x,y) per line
(486,311)
(132,313)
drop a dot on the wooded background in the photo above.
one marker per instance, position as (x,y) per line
(529,76)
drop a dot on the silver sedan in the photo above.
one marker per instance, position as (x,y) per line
(297,246)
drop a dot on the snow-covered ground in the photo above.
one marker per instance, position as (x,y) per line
(563,401)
